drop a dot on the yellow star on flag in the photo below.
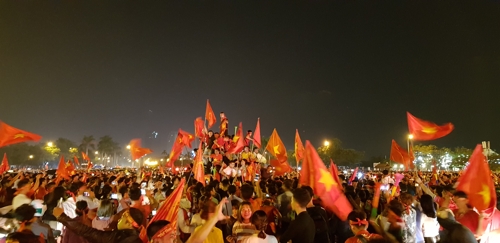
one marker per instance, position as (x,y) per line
(326,179)
(276,149)
(429,130)
(486,194)
(20,135)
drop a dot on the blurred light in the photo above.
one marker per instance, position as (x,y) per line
(326,143)
(161,159)
(31,156)
(299,168)
(96,152)
(128,146)
(410,136)
(50,144)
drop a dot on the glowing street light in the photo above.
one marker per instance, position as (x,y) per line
(96,152)
(31,156)
(50,144)
(326,143)
(128,146)
(410,136)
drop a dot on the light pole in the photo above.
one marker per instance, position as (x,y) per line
(410,138)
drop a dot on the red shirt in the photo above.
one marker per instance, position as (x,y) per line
(469,219)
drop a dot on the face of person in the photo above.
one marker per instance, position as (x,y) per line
(461,202)
(210,133)
(231,164)
(246,212)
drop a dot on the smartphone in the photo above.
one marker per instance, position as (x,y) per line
(113,183)
(143,185)
(143,191)
(114,196)
(416,184)
(86,194)
(153,212)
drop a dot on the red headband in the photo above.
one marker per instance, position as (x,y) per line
(358,222)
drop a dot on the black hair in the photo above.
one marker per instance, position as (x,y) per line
(460,194)
(156,226)
(24,213)
(135,193)
(302,197)
(308,189)
(428,206)
(259,219)
(23,183)
(81,208)
(136,215)
(247,192)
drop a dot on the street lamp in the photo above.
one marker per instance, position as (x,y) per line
(50,144)
(326,143)
(96,152)
(128,146)
(410,137)
(31,156)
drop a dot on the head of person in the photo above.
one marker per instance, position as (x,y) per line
(357,221)
(157,226)
(135,194)
(300,199)
(395,211)
(82,208)
(216,151)
(207,209)
(231,189)
(247,149)
(287,185)
(132,218)
(428,206)
(245,212)
(25,215)
(247,192)
(124,192)
(461,199)
(406,198)
(235,207)
(210,133)
(256,150)
(259,219)
(24,186)
(106,209)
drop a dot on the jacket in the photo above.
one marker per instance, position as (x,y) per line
(98,236)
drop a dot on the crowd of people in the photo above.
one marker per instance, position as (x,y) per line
(241,200)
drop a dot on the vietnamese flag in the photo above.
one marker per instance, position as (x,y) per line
(198,127)
(199,168)
(335,173)
(76,160)
(85,157)
(425,130)
(70,168)
(240,144)
(11,135)
(299,147)
(168,211)
(239,134)
(315,175)
(136,150)
(5,164)
(176,150)
(209,115)
(477,182)
(279,167)
(61,171)
(186,137)
(256,135)
(399,155)
(276,147)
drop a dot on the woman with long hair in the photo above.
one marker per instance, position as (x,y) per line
(259,220)
(429,223)
(244,227)
(105,214)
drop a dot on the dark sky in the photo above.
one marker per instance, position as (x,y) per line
(346,69)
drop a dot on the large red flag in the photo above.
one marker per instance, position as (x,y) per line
(5,164)
(136,151)
(209,115)
(198,127)
(187,138)
(276,147)
(176,151)
(315,175)
(240,142)
(76,160)
(399,155)
(199,169)
(280,168)
(425,130)
(476,181)
(299,147)
(256,135)
(85,157)
(168,211)
(61,170)
(11,135)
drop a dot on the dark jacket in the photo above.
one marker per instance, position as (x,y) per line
(455,232)
(98,236)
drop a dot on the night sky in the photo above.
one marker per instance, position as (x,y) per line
(345,69)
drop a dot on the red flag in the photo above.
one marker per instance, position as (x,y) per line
(176,151)
(477,182)
(299,147)
(198,127)
(425,130)
(199,169)
(76,160)
(315,175)
(239,133)
(335,173)
(89,166)
(223,124)
(209,115)
(276,147)
(61,170)
(353,175)
(85,157)
(399,155)
(256,135)
(136,151)
(168,211)
(280,168)
(11,135)
(84,178)
(240,144)
(5,164)
(70,168)
(434,175)
(187,138)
